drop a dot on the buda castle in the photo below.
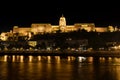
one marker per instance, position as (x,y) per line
(41,28)
(48,28)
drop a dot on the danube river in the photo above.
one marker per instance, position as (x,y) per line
(58,68)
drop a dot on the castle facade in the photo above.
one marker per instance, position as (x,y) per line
(41,28)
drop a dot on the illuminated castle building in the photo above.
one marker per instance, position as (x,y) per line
(41,28)
(48,28)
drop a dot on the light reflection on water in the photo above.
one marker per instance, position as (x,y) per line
(58,68)
(22,58)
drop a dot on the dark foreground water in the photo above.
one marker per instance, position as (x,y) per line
(58,68)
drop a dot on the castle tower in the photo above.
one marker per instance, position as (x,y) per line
(62,23)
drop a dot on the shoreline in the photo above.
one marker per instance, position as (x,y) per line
(63,53)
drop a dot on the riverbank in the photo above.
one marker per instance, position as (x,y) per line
(64,53)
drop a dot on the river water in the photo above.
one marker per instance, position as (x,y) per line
(58,68)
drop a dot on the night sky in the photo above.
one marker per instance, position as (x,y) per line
(21,13)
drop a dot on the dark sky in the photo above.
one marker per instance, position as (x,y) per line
(23,13)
